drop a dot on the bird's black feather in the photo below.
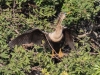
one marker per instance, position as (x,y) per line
(68,39)
(34,36)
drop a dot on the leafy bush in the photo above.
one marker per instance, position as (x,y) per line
(19,61)
(77,9)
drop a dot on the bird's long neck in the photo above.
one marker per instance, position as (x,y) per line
(59,21)
(57,34)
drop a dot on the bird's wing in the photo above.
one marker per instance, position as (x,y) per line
(34,36)
(68,38)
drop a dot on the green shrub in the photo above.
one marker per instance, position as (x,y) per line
(77,9)
(20,61)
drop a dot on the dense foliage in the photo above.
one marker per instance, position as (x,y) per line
(18,16)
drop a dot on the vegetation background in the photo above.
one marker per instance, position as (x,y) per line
(83,18)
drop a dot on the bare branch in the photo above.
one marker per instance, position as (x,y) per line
(96,42)
(16,31)
(83,35)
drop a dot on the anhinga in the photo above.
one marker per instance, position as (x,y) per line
(55,40)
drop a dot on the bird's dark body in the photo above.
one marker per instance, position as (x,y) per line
(66,40)
(57,45)
(36,36)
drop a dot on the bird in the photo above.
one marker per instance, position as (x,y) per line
(55,40)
